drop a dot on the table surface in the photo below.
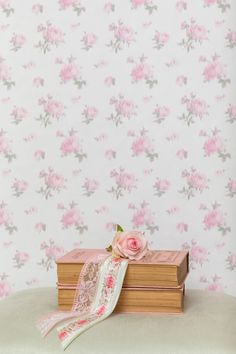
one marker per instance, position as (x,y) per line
(207,326)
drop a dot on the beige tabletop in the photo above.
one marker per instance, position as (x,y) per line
(207,326)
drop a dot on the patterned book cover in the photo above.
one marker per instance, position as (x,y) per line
(152,257)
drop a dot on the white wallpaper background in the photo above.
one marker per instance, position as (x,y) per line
(117,112)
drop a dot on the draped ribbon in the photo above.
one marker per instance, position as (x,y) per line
(97,293)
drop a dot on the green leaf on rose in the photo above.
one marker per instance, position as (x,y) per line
(119,228)
(109,249)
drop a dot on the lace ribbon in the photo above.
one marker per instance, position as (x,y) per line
(97,292)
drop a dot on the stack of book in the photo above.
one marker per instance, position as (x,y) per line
(153,284)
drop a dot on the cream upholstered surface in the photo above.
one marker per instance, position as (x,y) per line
(208,326)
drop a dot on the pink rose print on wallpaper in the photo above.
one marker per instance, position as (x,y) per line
(89,113)
(123,36)
(215,70)
(195,108)
(51,253)
(214,144)
(124,182)
(143,217)
(223,5)
(53,110)
(5,74)
(149,5)
(37,9)
(5,286)
(72,72)
(142,71)
(196,182)
(19,114)
(19,187)
(160,39)
(51,36)
(20,259)
(90,186)
(231,188)
(72,218)
(161,186)
(161,113)
(231,261)
(231,39)
(6,219)
(195,34)
(5,7)
(72,145)
(142,145)
(17,41)
(123,109)
(215,219)
(214,284)
(89,40)
(198,254)
(231,113)
(5,148)
(53,182)
(146,100)
(76,5)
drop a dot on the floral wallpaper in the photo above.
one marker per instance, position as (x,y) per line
(117,112)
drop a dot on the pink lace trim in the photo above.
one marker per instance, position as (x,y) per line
(104,301)
(84,295)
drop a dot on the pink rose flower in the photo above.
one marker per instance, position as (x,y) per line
(213,218)
(182,154)
(162,112)
(124,33)
(213,70)
(54,180)
(125,108)
(67,3)
(70,145)
(142,217)
(182,227)
(198,254)
(196,32)
(5,288)
(197,107)
(71,217)
(89,39)
(215,287)
(62,335)
(141,145)
(109,282)
(232,186)
(141,71)
(181,80)
(4,72)
(210,2)
(231,36)
(18,40)
(212,145)
(125,180)
(130,244)
(181,5)
(101,310)
(53,35)
(4,217)
(137,3)
(39,155)
(54,252)
(4,145)
(54,108)
(162,185)
(69,72)
(197,181)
